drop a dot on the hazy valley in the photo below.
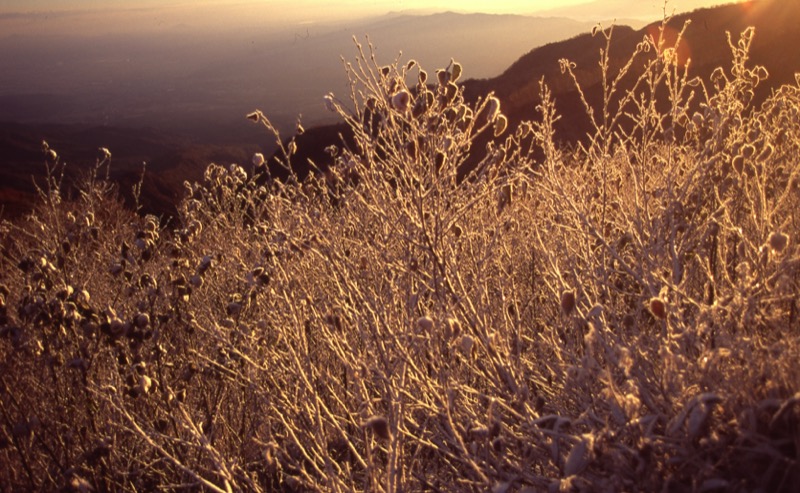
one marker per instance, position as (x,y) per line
(183,99)
(178,103)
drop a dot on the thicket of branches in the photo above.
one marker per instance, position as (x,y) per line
(619,315)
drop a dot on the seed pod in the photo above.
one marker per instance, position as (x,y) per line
(596,311)
(456,72)
(233,309)
(467,345)
(429,98)
(425,324)
(578,458)
(329,103)
(145,384)
(442,76)
(379,426)
(492,108)
(141,320)
(401,100)
(778,242)
(500,125)
(205,264)
(116,327)
(450,92)
(567,302)
(658,308)
(196,281)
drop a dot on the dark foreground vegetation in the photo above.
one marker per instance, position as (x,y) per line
(619,315)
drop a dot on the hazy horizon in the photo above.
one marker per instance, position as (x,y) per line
(88,18)
(207,63)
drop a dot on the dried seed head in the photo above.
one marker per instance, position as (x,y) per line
(500,125)
(778,242)
(425,324)
(451,90)
(467,345)
(567,302)
(117,327)
(596,311)
(379,425)
(329,103)
(145,384)
(578,457)
(492,108)
(80,485)
(233,309)
(65,292)
(141,320)
(443,76)
(456,71)
(196,281)
(205,264)
(258,159)
(401,100)
(658,308)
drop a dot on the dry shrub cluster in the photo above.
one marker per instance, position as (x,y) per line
(427,315)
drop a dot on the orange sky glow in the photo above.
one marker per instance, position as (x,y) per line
(87,17)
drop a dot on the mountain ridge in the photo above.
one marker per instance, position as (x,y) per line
(516,87)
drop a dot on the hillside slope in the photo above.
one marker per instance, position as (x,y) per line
(704,45)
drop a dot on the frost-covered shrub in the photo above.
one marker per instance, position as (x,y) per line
(427,313)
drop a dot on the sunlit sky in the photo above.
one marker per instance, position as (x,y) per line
(322,10)
(359,6)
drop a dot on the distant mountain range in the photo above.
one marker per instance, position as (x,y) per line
(174,157)
(179,103)
(193,81)
(704,41)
